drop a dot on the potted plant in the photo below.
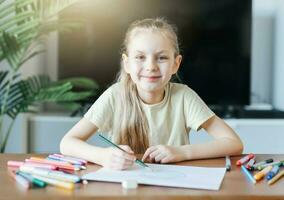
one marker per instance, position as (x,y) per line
(24,24)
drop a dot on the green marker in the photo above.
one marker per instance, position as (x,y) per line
(31,179)
(279,163)
(139,162)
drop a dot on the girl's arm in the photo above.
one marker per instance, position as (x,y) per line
(74,144)
(226,141)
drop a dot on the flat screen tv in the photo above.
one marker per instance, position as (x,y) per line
(214,37)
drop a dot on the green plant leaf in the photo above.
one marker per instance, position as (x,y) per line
(11,22)
(81,82)
(12,50)
(70,105)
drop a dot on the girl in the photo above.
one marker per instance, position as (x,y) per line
(145,113)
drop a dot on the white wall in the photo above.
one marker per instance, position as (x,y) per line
(263,49)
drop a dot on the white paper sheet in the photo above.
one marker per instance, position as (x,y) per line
(164,175)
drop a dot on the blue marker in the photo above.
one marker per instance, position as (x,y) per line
(272,172)
(247,173)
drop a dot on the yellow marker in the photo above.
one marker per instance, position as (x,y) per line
(262,173)
(276,177)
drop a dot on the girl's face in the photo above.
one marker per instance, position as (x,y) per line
(150,61)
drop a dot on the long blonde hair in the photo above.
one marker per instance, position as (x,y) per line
(130,126)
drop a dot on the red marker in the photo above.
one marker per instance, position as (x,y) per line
(245,159)
(250,163)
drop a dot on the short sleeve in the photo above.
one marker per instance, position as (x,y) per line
(196,111)
(101,112)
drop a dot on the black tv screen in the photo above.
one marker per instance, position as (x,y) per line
(214,37)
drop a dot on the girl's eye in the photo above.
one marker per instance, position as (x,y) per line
(163,58)
(140,57)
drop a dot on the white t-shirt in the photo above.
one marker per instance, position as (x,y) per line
(169,121)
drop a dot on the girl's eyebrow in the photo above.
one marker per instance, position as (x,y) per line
(159,52)
(162,51)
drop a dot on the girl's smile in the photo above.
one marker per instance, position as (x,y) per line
(150,78)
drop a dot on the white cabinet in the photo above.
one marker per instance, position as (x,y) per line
(46,132)
(262,136)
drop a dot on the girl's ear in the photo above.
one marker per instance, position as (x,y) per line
(177,63)
(125,62)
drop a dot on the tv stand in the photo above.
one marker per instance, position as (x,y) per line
(239,112)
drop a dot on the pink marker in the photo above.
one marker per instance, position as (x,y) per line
(12,163)
(17,164)
(245,159)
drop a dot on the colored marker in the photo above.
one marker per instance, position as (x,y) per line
(58,164)
(75,167)
(80,166)
(31,179)
(273,172)
(72,158)
(228,163)
(247,173)
(276,177)
(51,174)
(57,183)
(262,163)
(75,162)
(13,163)
(250,163)
(17,164)
(245,159)
(258,176)
(20,180)
(269,164)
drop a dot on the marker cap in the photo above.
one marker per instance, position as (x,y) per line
(129,184)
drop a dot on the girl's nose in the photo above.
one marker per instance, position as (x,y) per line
(151,65)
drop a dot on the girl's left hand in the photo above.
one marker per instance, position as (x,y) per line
(164,154)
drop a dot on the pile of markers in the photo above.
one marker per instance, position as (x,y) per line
(56,170)
(266,169)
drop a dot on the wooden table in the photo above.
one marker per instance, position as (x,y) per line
(235,185)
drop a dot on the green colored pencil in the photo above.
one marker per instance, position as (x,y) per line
(139,162)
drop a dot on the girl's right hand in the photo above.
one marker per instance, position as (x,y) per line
(116,159)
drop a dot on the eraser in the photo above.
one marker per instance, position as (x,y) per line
(129,184)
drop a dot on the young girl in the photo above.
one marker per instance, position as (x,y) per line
(147,114)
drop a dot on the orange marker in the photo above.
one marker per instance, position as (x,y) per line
(245,159)
(262,173)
